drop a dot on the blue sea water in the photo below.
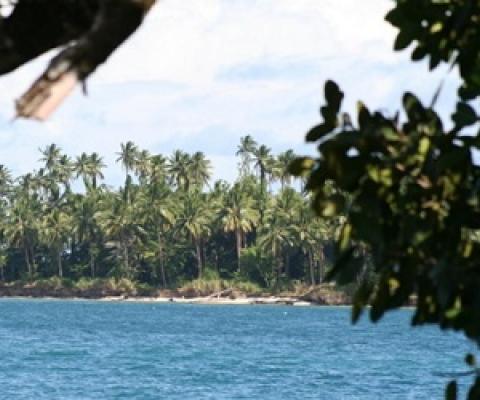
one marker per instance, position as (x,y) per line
(97,350)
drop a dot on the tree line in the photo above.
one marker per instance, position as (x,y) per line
(167,224)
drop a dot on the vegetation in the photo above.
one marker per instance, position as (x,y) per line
(161,228)
(408,185)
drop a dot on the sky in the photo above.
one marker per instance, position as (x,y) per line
(200,74)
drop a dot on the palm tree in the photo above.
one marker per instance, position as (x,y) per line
(122,226)
(127,156)
(20,228)
(277,233)
(89,167)
(143,165)
(239,216)
(81,168)
(5,180)
(199,169)
(246,149)
(180,170)
(194,219)
(283,162)
(85,214)
(311,234)
(152,228)
(63,172)
(50,156)
(159,214)
(263,164)
(158,170)
(95,166)
(55,230)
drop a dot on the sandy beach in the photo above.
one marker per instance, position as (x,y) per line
(214,300)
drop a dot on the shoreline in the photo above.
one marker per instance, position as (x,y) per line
(209,300)
(201,300)
(321,295)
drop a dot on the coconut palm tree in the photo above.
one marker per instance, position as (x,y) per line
(50,156)
(64,171)
(20,227)
(246,150)
(240,217)
(121,224)
(283,162)
(95,167)
(199,169)
(159,211)
(143,165)
(275,237)
(263,164)
(5,180)
(158,170)
(81,167)
(85,210)
(180,170)
(89,167)
(56,228)
(194,220)
(127,156)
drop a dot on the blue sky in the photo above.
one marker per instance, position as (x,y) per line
(202,73)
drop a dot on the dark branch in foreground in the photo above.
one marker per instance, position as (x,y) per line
(87,32)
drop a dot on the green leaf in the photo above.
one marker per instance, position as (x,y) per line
(333,95)
(413,107)
(361,299)
(301,165)
(340,263)
(468,92)
(403,39)
(470,360)
(364,116)
(451,391)
(464,115)
(347,267)
(419,53)
(319,132)
(395,17)
(329,115)
(332,205)
(474,392)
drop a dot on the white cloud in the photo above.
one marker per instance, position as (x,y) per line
(201,73)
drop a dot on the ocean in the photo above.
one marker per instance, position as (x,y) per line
(53,349)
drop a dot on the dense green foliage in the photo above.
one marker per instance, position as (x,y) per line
(409,186)
(161,227)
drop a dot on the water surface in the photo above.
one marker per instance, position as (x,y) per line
(95,350)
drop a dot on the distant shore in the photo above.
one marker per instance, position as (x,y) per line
(325,295)
(270,300)
(206,300)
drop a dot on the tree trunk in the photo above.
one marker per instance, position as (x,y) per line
(59,264)
(161,261)
(287,264)
(92,265)
(198,251)
(321,263)
(311,267)
(2,273)
(162,272)
(32,259)
(73,246)
(204,252)
(126,262)
(238,239)
(27,258)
